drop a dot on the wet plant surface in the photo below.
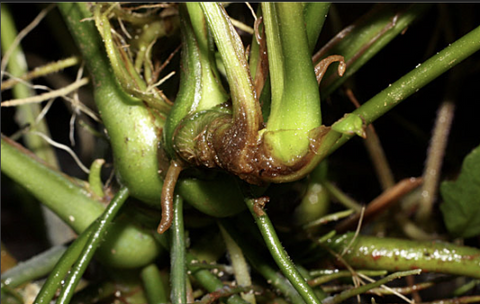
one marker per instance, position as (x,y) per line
(213,160)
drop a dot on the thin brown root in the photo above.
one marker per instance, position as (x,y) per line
(167,196)
(384,201)
(323,65)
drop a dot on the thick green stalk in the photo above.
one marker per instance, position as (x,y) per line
(94,240)
(72,202)
(275,54)
(246,109)
(315,14)
(65,196)
(416,79)
(189,94)
(392,254)
(297,111)
(200,86)
(178,274)
(209,195)
(133,131)
(213,92)
(26,115)
(278,252)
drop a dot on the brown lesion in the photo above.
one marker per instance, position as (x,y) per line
(225,145)
(259,205)
(234,144)
(218,139)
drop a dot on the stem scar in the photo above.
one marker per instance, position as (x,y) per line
(259,204)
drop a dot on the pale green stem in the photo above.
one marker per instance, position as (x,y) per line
(240,267)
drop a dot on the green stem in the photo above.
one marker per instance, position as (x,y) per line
(54,281)
(178,276)
(275,54)
(200,88)
(416,79)
(72,202)
(65,196)
(260,264)
(34,268)
(245,106)
(296,110)
(279,255)
(133,130)
(315,14)
(208,280)
(93,242)
(213,92)
(341,197)
(189,93)
(359,290)
(240,267)
(154,287)
(392,254)
(362,40)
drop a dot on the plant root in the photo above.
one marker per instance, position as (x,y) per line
(382,202)
(167,196)
(323,65)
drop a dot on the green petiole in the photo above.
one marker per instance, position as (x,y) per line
(392,254)
(278,253)
(416,79)
(178,274)
(73,203)
(54,281)
(93,241)
(33,268)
